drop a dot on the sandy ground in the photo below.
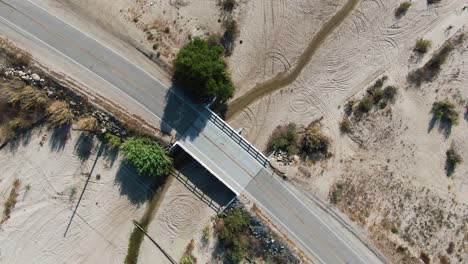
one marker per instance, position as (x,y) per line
(35,232)
(400,170)
(399,156)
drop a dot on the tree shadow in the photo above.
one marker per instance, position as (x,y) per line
(110,154)
(84,146)
(59,137)
(136,187)
(19,139)
(180,113)
(445,127)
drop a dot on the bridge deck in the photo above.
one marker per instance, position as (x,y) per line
(220,153)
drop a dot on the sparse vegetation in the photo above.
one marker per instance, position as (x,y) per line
(402,8)
(11,200)
(366,104)
(390,93)
(214,40)
(188,257)
(432,68)
(336,194)
(394,230)
(232,232)
(147,156)
(376,96)
(422,46)
(284,138)
(206,233)
(112,140)
(72,193)
(445,111)
(314,144)
(59,114)
(453,159)
(201,71)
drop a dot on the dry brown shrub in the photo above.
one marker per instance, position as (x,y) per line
(88,123)
(59,114)
(11,201)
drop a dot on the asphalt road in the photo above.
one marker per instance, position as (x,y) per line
(236,164)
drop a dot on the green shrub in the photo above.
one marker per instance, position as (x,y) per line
(146,156)
(314,143)
(284,138)
(112,140)
(201,71)
(366,104)
(453,159)
(155,46)
(394,230)
(402,8)
(390,93)
(232,230)
(445,111)
(422,45)
(186,260)
(206,234)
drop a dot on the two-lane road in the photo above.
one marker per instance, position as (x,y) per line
(320,236)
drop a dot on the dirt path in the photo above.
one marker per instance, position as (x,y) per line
(283,79)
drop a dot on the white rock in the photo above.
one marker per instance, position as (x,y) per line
(21,73)
(35,77)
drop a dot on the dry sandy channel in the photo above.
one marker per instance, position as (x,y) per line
(52,177)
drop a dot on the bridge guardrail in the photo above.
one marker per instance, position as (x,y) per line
(228,130)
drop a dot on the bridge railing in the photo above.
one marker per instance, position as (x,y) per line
(241,141)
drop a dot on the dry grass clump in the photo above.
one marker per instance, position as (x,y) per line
(27,97)
(315,145)
(402,8)
(422,46)
(445,111)
(11,201)
(89,123)
(345,125)
(59,114)
(453,159)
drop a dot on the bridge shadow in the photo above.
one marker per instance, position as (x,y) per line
(181,113)
(200,182)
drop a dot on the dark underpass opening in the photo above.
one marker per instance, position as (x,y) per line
(200,181)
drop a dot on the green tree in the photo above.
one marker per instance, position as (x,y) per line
(201,70)
(146,156)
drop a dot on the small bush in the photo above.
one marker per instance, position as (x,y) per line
(284,139)
(453,159)
(336,194)
(228,5)
(112,140)
(422,46)
(451,248)
(390,93)
(27,97)
(402,8)
(445,111)
(314,143)
(59,114)
(167,30)
(394,230)
(146,156)
(11,201)
(366,104)
(155,46)
(345,125)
